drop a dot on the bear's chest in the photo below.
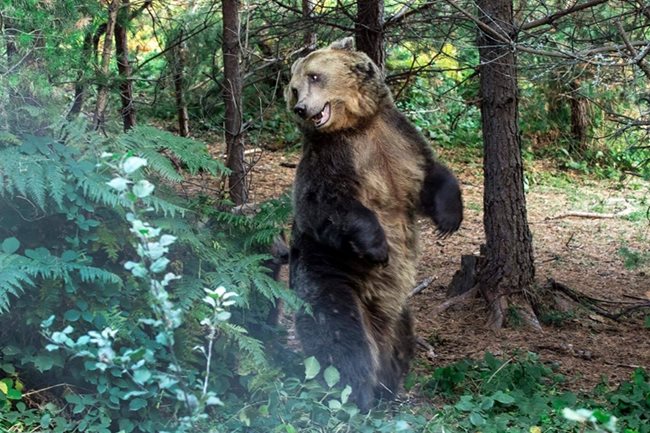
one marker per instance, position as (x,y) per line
(391,176)
(324,177)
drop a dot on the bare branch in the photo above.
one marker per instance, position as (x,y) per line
(481,25)
(639,60)
(405,12)
(550,19)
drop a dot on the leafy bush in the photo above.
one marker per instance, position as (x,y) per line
(128,338)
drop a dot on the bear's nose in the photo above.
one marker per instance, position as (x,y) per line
(300,110)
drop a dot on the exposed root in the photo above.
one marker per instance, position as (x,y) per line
(595,304)
(456,300)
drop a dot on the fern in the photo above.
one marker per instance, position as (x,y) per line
(70,262)
(252,347)
(15,276)
(19,271)
(151,142)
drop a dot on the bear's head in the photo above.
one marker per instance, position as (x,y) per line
(335,88)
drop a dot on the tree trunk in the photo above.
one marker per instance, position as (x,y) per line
(369,30)
(124,67)
(233,100)
(10,40)
(507,272)
(6,111)
(309,38)
(102,94)
(579,119)
(80,85)
(177,61)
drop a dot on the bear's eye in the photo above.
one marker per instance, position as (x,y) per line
(314,78)
(294,91)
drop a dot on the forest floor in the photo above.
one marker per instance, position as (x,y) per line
(581,251)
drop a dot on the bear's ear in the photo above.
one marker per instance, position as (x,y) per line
(346,44)
(296,64)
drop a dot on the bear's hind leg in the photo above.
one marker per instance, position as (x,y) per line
(396,363)
(337,335)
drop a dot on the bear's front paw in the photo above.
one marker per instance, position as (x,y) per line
(448,222)
(374,249)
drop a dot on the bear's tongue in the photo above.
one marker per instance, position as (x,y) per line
(323,117)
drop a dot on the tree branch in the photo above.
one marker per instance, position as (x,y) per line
(550,19)
(481,25)
(638,59)
(405,12)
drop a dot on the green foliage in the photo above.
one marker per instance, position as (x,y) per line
(66,236)
(630,402)
(315,404)
(455,123)
(633,258)
(521,394)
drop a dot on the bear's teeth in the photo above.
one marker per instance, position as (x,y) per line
(323,117)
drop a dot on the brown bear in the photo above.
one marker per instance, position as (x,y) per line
(364,174)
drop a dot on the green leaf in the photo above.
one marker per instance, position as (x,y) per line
(119,183)
(43,362)
(334,404)
(332,376)
(10,245)
(137,404)
(141,376)
(487,403)
(312,367)
(45,420)
(503,398)
(14,394)
(601,416)
(159,265)
(476,419)
(402,425)
(69,256)
(4,388)
(465,404)
(8,368)
(345,394)
(143,188)
(133,163)
(72,315)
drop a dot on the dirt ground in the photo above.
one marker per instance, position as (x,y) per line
(580,252)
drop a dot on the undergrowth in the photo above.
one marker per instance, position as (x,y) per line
(522,394)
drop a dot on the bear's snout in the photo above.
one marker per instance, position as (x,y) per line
(300,110)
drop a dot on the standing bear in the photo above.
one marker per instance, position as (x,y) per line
(364,175)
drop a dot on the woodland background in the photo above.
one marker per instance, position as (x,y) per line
(146,159)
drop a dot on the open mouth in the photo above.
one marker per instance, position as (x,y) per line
(323,117)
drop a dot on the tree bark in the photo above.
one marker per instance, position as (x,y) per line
(178,66)
(124,67)
(309,38)
(233,100)
(579,119)
(80,85)
(102,94)
(508,271)
(10,39)
(369,30)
